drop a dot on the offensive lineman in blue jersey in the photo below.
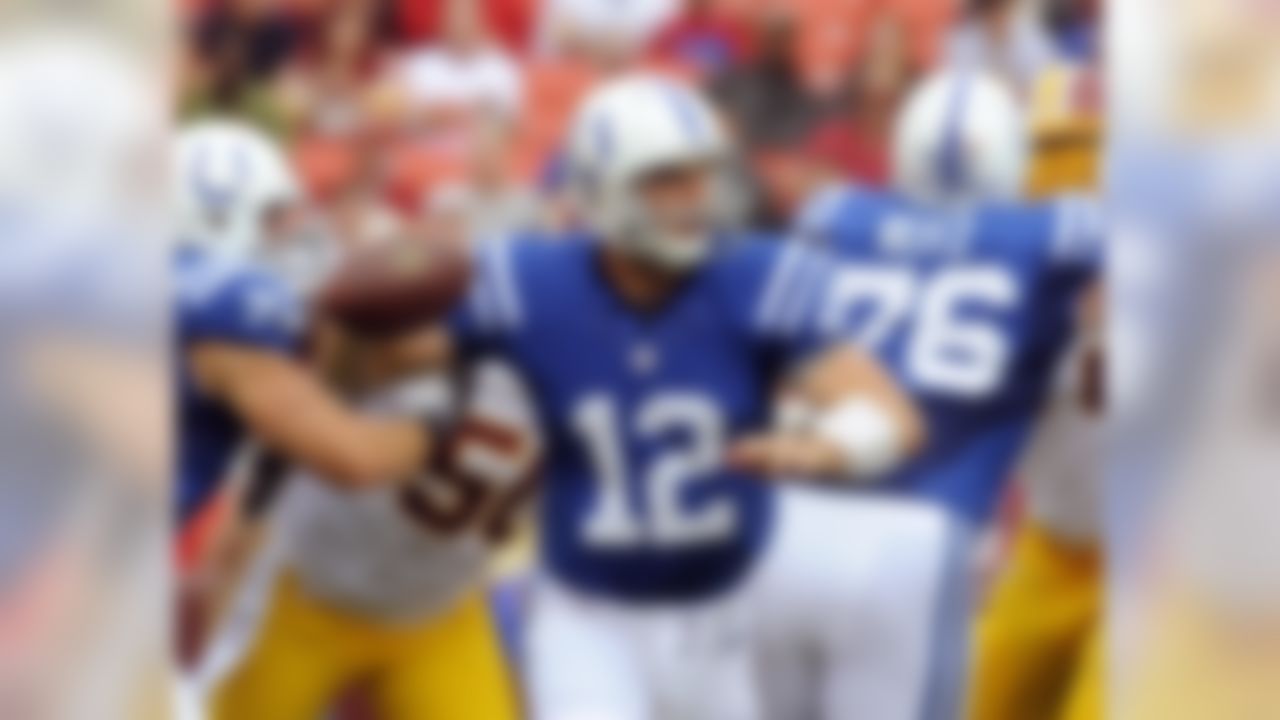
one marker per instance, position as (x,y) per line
(968,294)
(238,332)
(677,580)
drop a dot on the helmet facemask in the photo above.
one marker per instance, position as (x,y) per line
(670,216)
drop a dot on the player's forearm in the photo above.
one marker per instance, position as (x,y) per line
(353,450)
(385,451)
(292,412)
(846,418)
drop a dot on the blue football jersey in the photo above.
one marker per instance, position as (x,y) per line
(224,301)
(637,407)
(971,309)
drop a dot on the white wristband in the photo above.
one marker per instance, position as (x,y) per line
(868,437)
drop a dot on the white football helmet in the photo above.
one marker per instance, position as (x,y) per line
(626,131)
(237,195)
(960,137)
(230,177)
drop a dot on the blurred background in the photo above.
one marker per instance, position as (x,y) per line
(449,113)
(446,117)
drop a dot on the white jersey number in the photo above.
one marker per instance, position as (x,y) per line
(946,352)
(614,521)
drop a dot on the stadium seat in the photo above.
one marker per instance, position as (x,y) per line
(676,68)
(833,33)
(552,90)
(325,164)
(415,167)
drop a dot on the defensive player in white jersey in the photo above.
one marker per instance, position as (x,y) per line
(384,589)
(678,580)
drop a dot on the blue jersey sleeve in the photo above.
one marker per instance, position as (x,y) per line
(783,288)
(829,215)
(493,308)
(238,305)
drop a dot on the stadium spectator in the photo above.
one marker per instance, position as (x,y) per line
(415,21)
(447,214)
(609,33)
(326,90)
(765,97)
(1074,24)
(359,213)
(488,200)
(854,144)
(262,34)
(705,36)
(1005,37)
(237,51)
(498,203)
(464,72)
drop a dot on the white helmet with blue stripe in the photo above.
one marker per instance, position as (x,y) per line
(632,130)
(960,137)
(230,177)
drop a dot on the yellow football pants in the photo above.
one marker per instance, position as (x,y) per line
(307,653)
(1039,643)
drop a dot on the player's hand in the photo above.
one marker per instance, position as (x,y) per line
(804,456)
(497,454)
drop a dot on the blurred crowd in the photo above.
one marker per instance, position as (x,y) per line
(447,114)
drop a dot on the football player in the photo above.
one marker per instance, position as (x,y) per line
(381,589)
(336,585)
(677,579)
(966,291)
(239,330)
(1040,646)
(971,294)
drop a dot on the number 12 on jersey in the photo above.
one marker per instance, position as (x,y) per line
(661,485)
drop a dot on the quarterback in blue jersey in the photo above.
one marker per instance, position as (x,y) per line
(967,293)
(238,331)
(653,343)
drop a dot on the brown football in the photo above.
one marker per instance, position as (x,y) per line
(396,286)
